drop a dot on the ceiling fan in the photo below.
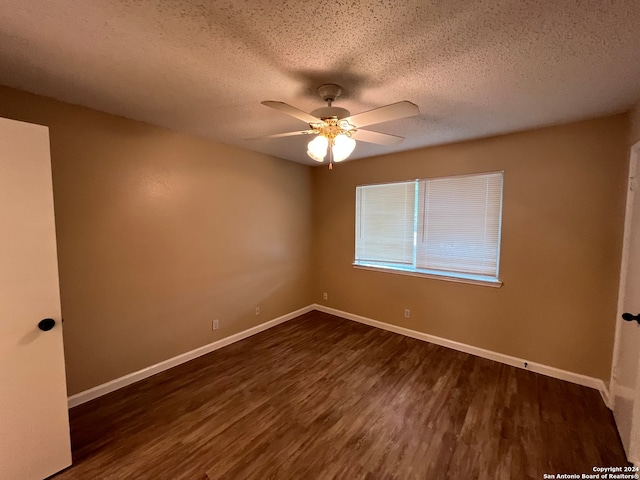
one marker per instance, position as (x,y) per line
(336,130)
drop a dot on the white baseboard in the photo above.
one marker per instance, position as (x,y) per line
(572,377)
(134,377)
(607,398)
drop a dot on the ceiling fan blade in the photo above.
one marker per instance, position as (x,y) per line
(384,114)
(294,112)
(288,134)
(376,137)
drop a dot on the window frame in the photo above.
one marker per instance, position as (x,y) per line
(413,270)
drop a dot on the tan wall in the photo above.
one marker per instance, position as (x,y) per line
(159,233)
(563,218)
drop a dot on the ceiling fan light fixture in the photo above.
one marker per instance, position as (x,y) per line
(317,148)
(334,126)
(342,147)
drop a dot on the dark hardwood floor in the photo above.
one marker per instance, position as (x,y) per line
(320,397)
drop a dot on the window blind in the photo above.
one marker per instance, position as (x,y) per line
(385,217)
(459,224)
(448,225)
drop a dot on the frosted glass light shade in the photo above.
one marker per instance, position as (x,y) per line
(317,148)
(342,147)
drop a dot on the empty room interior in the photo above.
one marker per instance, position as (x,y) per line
(319,240)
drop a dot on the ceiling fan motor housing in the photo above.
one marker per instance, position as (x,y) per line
(331,112)
(329,92)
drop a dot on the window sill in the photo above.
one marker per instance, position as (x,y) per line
(447,277)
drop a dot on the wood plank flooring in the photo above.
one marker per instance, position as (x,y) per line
(320,397)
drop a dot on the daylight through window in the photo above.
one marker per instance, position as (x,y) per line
(446,226)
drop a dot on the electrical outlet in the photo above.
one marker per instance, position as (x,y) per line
(215,325)
(407,313)
(325,296)
(257,311)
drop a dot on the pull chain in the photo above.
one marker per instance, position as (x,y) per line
(330,150)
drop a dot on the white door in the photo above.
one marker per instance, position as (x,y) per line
(34,419)
(626,385)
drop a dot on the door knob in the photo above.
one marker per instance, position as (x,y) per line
(630,317)
(46,324)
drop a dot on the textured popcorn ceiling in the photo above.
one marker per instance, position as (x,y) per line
(475,68)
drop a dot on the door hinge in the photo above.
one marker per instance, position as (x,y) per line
(632,184)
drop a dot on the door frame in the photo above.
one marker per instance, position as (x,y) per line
(634,160)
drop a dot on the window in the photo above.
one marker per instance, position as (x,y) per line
(448,227)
